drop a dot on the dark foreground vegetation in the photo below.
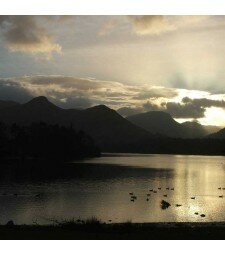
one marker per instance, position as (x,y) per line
(47,141)
(95,230)
(41,140)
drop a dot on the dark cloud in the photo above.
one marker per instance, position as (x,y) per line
(192,108)
(24,33)
(73,92)
(204,102)
(111,90)
(64,81)
(127,111)
(148,106)
(11,90)
(176,110)
(69,92)
(72,102)
(187,110)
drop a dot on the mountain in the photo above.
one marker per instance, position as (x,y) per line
(159,122)
(212,129)
(218,135)
(194,129)
(37,110)
(106,126)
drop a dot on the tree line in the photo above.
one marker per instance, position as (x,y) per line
(41,140)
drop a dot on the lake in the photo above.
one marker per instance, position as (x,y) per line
(100,187)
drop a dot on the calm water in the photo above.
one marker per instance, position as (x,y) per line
(102,190)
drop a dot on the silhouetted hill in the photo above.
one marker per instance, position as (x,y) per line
(212,129)
(194,129)
(218,135)
(39,109)
(106,126)
(41,103)
(158,122)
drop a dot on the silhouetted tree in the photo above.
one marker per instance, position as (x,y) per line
(3,140)
(40,140)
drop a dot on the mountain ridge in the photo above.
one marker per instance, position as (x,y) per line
(105,125)
(218,135)
(159,122)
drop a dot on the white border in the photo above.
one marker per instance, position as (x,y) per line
(111,247)
(112,7)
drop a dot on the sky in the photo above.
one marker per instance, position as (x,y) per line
(132,64)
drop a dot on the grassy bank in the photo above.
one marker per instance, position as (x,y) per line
(94,230)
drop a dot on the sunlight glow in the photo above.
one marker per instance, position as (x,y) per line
(213,116)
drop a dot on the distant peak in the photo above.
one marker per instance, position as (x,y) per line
(100,107)
(39,99)
(151,114)
(158,113)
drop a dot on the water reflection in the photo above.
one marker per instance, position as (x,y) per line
(100,187)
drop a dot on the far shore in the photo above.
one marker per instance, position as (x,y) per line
(95,230)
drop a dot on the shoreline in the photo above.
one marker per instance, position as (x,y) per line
(116,231)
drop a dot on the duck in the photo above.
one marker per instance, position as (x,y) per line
(219,188)
(172,189)
(178,205)
(221,196)
(147,199)
(159,188)
(196,213)
(202,215)
(155,191)
(132,200)
(38,195)
(148,195)
(151,190)
(131,193)
(165,204)
(167,188)
(165,195)
(192,197)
